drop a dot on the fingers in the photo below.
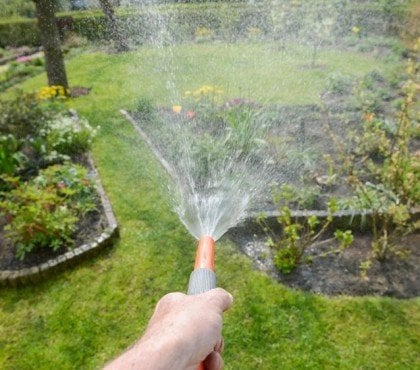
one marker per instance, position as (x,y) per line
(213,361)
(219,298)
(220,346)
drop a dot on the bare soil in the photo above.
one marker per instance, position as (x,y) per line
(339,274)
(90,227)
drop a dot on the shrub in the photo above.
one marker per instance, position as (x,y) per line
(228,20)
(19,32)
(24,8)
(24,115)
(44,212)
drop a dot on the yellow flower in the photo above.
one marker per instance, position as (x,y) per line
(177,109)
(355,30)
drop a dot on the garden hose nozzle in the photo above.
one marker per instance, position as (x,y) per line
(203,277)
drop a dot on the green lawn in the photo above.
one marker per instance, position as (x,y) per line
(89,314)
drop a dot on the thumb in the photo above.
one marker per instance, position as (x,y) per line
(218,298)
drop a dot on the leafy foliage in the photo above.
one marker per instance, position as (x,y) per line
(43,212)
(384,174)
(298,233)
(35,133)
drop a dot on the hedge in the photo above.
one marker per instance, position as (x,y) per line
(226,20)
(19,32)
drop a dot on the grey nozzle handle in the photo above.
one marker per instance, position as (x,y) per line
(201,280)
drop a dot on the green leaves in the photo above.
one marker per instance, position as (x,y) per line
(44,212)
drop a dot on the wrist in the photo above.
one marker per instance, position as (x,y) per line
(158,352)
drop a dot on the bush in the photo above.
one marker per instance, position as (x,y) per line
(24,115)
(19,32)
(228,20)
(23,8)
(44,212)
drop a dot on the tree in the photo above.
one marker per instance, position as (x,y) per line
(50,38)
(113,27)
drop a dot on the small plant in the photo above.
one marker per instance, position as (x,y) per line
(11,159)
(339,84)
(300,233)
(44,212)
(145,108)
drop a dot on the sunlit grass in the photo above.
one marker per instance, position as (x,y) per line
(260,72)
(89,314)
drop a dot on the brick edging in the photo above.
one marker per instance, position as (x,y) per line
(49,268)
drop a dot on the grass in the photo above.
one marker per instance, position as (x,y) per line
(91,313)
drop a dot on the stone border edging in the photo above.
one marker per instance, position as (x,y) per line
(353,220)
(35,274)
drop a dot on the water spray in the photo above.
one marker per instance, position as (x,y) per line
(208,203)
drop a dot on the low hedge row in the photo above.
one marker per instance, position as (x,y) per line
(19,32)
(227,20)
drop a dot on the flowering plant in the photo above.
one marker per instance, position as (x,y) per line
(68,136)
(52,92)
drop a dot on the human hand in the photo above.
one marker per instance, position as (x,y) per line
(183,332)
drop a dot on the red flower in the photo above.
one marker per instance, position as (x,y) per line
(191,114)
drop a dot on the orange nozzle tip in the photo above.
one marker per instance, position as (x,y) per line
(204,257)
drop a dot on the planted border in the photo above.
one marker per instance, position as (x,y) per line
(349,219)
(65,261)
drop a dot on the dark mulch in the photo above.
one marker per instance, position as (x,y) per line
(339,274)
(90,227)
(77,91)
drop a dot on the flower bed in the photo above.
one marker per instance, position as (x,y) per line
(364,165)
(51,202)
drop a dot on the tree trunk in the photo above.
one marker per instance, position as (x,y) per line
(50,38)
(113,27)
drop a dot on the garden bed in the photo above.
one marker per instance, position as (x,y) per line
(95,231)
(326,271)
